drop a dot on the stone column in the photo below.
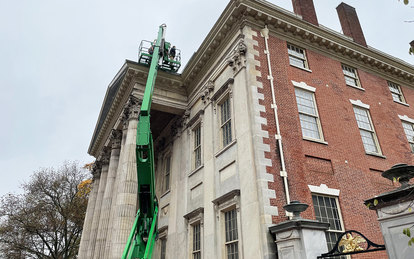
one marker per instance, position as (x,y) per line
(126,203)
(107,196)
(98,205)
(110,234)
(86,232)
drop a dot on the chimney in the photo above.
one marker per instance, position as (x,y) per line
(350,23)
(306,9)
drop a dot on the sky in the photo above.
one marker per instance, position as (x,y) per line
(57,58)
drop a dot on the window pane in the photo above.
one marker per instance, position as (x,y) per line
(296,61)
(230,222)
(368,141)
(296,56)
(351,77)
(197,147)
(326,211)
(309,126)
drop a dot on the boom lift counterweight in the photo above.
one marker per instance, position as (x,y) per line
(141,240)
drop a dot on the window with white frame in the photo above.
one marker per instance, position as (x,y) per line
(196,250)
(396,92)
(197,146)
(225,121)
(351,76)
(297,56)
(409,133)
(327,210)
(163,247)
(308,114)
(366,129)
(231,233)
(167,171)
(228,213)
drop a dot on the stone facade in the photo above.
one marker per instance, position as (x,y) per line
(245,175)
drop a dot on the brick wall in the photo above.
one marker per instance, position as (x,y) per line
(342,163)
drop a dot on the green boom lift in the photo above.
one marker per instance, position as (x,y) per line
(144,231)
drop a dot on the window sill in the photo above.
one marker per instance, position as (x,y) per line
(356,87)
(165,194)
(303,68)
(405,104)
(316,140)
(225,148)
(195,170)
(376,154)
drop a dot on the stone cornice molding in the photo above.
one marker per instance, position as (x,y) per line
(258,13)
(117,95)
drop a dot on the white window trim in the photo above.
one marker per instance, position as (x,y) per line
(225,203)
(197,124)
(306,62)
(336,197)
(406,119)
(219,136)
(165,190)
(304,86)
(400,93)
(324,190)
(360,104)
(193,218)
(376,140)
(358,81)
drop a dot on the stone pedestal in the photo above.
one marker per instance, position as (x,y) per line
(300,239)
(395,211)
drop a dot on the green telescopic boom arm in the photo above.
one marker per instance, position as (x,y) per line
(142,237)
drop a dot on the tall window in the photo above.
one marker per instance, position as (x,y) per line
(196,241)
(366,129)
(297,56)
(163,247)
(351,76)
(308,114)
(225,122)
(230,221)
(409,132)
(167,173)
(197,146)
(396,92)
(327,211)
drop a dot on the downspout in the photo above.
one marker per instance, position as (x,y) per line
(283,173)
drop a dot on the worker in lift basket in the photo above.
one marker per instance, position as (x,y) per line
(172,52)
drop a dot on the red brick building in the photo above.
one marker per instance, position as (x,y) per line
(273,107)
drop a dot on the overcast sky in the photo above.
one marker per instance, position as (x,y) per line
(57,58)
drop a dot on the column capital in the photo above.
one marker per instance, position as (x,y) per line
(104,156)
(96,169)
(132,108)
(116,138)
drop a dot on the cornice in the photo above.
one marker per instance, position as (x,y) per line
(257,13)
(130,73)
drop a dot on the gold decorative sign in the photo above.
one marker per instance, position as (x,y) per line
(351,244)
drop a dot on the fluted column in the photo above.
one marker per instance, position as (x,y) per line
(111,230)
(98,205)
(107,197)
(86,232)
(126,203)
